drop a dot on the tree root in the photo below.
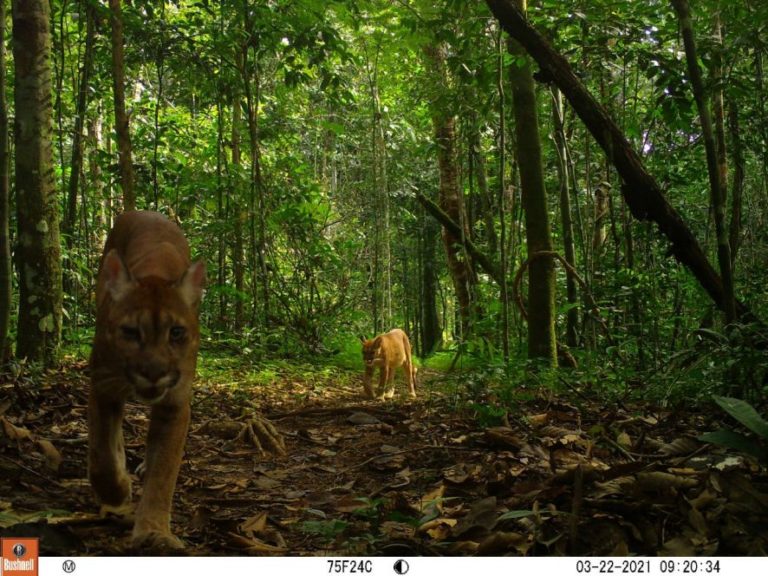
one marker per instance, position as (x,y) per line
(262,434)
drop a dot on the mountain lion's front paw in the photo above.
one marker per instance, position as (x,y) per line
(123,513)
(155,541)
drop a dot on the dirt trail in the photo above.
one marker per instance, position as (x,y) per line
(327,495)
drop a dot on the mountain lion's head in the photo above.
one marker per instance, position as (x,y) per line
(149,329)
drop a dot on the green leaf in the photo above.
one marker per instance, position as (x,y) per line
(731,439)
(515,514)
(744,413)
(334,127)
(328,529)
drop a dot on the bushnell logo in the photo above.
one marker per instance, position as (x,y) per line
(20,557)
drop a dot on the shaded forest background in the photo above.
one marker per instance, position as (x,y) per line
(299,144)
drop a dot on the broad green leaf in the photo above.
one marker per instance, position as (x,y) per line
(744,413)
(731,439)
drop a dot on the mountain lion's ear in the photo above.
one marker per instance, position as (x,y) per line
(192,284)
(117,280)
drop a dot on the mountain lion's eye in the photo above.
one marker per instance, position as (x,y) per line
(130,333)
(178,333)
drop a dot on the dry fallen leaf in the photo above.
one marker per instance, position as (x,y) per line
(461,473)
(680,446)
(498,543)
(504,437)
(481,518)
(624,440)
(254,545)
(439,528)
(349,504)
(15,432)
(538,419)
(255,524)
(52,456)
(662,481)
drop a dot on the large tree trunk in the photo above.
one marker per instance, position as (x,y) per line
(643,195)
(444,124)
(715,169)
(121,118)
(381,287)
(459,267)
(542,342)
(5,216)
(39,262)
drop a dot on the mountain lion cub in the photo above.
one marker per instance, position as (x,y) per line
(145,348)
(388,351)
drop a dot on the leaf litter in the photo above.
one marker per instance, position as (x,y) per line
(298,468)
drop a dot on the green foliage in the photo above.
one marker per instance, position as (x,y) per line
(349,351)
(9,517)
(488,415)
(341,97)
(746,415)
(245,374)
(328,530)
(732,361)
(442,361)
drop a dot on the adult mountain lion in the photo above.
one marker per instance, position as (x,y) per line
(388,351)
(145,348)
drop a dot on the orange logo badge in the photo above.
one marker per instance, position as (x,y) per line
(20,557)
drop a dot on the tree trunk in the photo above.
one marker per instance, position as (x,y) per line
(541,276)
(718,108)
(240,220)
(101,209)
(483,192)
(738,181)
(431,332)
(121,117)
(160,68)
(643,195)
(716,176)
(502,202)
(600,218)
(76,164)
(221,209)
(569,250)
(454,228)
(5,215)
(444,125)
(257,201)
(39,260)
(382,281)
(58,66)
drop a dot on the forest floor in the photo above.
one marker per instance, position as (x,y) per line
(395,478)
